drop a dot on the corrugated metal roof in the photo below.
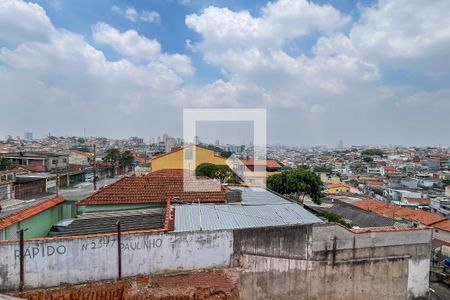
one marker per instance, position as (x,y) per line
(259,208)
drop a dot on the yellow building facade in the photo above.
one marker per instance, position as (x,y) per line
(195,156)
(336,188)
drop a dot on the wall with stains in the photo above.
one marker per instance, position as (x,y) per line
(75,260)
(329,262)
(315,261)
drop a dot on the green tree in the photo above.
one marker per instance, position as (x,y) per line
(126,159)
(373,151)
(112,157)
(300,181)
(446,182)
(322,169)
(80,148)
(5,164)
(378,191)
(367,159)
(221,172)
(226,154)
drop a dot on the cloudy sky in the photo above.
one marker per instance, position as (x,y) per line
(368,72)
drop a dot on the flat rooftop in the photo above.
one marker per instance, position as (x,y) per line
(258,208)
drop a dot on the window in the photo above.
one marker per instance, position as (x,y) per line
(64,160)
(188,153)
(54,161)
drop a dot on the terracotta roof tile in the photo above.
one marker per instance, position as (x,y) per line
(443,225)
(29,211)
(269,163)
(156,187)
(336,185)
(375,183)
(85,154)
(394,211)
(418,200)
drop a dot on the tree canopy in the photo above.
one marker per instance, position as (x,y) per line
(5,164)
(126,158)
(300,181)
(373,152)
(221,172)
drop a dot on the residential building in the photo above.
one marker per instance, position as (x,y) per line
(7,179)
(153,190)
(420,217)
(37,219)
(337,188)
(186,158)
(447,190)
(39,161)
(254,172)
(326,178)
(375,171)
(440,206)
(29,187)
(80,158)
(28,136)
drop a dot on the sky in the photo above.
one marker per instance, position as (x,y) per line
(368,72)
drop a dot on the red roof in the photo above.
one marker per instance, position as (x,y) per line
(35,168)
(269,163)
(443,225)
(390,168)
(375,183)
(394,211)
(156,187)
(29,211)
(336,185)
(418,200)
(85,154)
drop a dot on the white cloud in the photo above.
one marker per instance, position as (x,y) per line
(134,16)
(34,23)
(333,91)
(139,48)
(63,79)
(410,35)
(128,43)
(279,21)
(250,50)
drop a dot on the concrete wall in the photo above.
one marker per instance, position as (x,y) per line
(316,261)
(75,260)
(329,262)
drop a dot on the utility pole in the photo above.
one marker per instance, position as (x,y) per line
(119,250)
(95,169)
(21,259)
(57,185)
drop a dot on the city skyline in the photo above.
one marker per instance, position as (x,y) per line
(325,71)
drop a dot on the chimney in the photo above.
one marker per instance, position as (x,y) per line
(233,196)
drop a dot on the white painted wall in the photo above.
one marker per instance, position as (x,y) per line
(49,263)
(418,275)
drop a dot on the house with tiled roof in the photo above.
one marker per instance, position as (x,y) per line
(36,219)
(254,172)
(418,216)
(77,157)
(441,236)
(180,186)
